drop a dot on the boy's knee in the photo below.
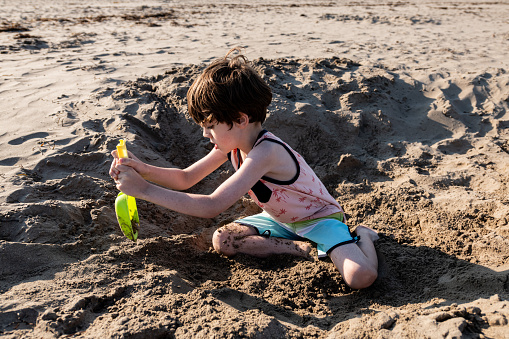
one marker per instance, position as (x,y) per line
(222,242)
(361,277)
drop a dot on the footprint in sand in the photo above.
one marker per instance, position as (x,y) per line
(454,146)
(22,139)
(9,161)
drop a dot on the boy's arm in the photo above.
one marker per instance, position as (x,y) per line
(257,164)
(174,178)
(182,179)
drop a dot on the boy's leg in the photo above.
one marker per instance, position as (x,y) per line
(358,263)
(235,238)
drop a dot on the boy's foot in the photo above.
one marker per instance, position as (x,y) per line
(369,233)
(303,248)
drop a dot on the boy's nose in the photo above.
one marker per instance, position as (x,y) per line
(206,134)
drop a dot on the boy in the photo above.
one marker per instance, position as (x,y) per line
(229,100)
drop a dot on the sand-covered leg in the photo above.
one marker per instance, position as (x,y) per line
(234,238)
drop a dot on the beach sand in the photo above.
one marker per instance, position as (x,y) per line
(401,108)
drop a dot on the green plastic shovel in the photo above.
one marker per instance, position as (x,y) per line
(125,206)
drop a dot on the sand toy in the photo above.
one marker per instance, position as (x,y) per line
(125,206)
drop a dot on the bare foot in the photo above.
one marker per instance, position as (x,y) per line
(303,247)
(364,231)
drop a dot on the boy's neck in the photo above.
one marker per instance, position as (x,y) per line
(250,134)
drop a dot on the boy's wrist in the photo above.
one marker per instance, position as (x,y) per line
(145,192)
(145,170)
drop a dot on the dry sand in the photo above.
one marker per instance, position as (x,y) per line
(400,107)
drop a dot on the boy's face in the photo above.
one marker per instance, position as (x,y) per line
(220,134)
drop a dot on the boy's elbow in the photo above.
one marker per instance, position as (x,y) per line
(187,181)
(210,215)
(213,209)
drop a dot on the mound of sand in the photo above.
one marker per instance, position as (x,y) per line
(422,160)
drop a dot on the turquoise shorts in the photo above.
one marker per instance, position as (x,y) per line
(327,233)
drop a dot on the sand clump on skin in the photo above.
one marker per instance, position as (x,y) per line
(423,163)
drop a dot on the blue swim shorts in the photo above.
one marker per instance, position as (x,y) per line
(327,233)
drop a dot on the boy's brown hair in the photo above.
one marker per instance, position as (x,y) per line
(227,87)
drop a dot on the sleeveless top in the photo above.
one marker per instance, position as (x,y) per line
(304,197)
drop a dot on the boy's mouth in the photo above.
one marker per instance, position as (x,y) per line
(215,146)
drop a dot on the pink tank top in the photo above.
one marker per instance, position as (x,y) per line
(304,197)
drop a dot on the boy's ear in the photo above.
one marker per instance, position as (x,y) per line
(243,120)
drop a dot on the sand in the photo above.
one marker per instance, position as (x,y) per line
(400,107)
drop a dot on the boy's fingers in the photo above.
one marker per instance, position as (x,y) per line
(122,168)
(122,162)
(125,161)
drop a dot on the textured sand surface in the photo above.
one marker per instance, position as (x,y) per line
(401,108)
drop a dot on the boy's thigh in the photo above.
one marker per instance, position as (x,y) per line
(237,230)
(349,254)
(264,225)
(329,234)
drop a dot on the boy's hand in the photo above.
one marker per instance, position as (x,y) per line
(129,181)
(132,161)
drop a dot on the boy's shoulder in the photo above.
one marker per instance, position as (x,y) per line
(275,157)
(269,136)
(271,148)
(266,149)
